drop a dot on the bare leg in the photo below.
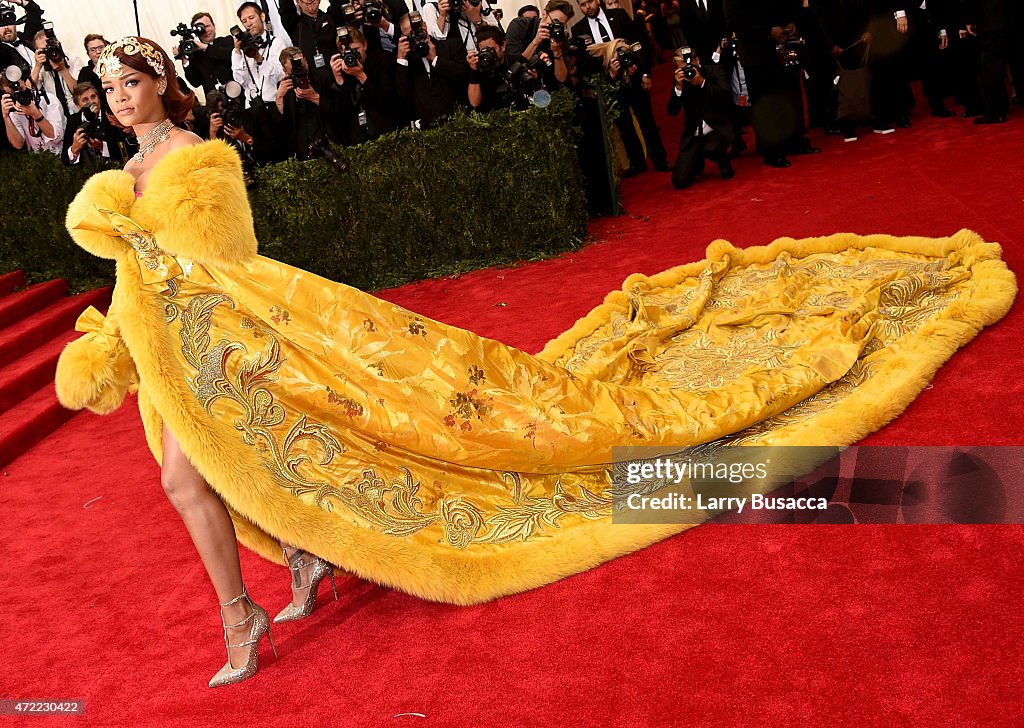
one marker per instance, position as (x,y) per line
(213,534)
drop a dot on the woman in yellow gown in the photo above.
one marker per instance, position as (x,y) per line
(451,466)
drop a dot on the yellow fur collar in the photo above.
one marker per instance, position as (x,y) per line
(195,203)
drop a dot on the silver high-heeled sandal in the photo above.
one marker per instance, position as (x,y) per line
(260,626)
(321,569)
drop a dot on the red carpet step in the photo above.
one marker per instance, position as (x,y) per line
(10,282)
(19,339)
(15,306)
(35,325)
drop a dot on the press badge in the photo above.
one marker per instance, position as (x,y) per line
(318,60)
(362,117)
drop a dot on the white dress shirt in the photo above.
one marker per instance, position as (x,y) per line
(259,79)
(55,115)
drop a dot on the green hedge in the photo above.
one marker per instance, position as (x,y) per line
(478,191)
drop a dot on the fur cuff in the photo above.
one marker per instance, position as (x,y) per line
(95,372)
(113,190)
(197,205)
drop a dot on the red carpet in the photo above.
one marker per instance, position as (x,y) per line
(106,600)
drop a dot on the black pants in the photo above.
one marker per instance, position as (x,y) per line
(694,150)
(994,53)
(777,108)
(965,60)
(927,62)
(634,98)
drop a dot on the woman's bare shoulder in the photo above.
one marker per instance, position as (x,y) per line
(183,138)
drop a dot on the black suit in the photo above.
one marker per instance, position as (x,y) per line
(208,68)
(777,104)
(711,104)
(375,99)
(427,96)
(119,144)
(704,29)
(33,15)
(310,34)
(631,95)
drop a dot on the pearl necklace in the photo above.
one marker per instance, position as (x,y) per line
(148,141)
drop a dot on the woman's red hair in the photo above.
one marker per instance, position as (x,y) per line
(176,103)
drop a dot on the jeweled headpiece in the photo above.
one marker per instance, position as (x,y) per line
(109,64)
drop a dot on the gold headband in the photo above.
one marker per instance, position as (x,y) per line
(110,65)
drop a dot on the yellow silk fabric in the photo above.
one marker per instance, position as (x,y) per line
(458,468)
(431,432)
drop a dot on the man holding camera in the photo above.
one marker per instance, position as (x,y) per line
(761,27)
(208,64)
(365,77)
(376,20)
(53,72)
(16,49)
(443,16)
(421,74)
(310,29)
(306,115)
(614,24)
(703,94)
(254,60)
(91,134)
(546,33)
(31,122)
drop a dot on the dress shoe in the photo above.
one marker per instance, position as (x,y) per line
(259,626)
(834,130)
(727,171)
(882,129)
(662,167)
(778,162)
(903,122)
(942,113)
(738,147)
(808,150)
(320,570)
(632,172)
(971,113)
(996,119)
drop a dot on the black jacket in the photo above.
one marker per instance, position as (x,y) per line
(208,68)
(33,15)
(622,27)
(120,144)
(309,34)
(704,30)
(711,104)
(376,99)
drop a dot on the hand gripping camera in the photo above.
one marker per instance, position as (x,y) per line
(251,45)
(188,35)
(417,37)
(628,56)
(300,73)
(21,96)
(684,60)
(54,53)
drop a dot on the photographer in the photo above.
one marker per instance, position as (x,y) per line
(421,80)
(376,20)
(527,37)
(254,60)
(92,133)
(703,94)
(498,80)
(615,26)
(53,73)
(94,44)
(209,63)
(16,49)
(305,114)
(31,122)
(366,78)
(310,29)
(467,15)
(775,94)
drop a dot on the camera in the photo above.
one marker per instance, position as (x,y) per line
(188,35)
(684,60)
(351,58)
(417,37)
(8,15)
(349,14)
(54,53)
(628,56)
(556,29)
(22,96)
(321,148)
(93,123)
(487,60)
(228,102)
(300,74)
(372,12)
(251,45)
(790,52)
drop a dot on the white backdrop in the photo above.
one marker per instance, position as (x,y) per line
(74,19)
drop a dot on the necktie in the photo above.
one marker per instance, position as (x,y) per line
(605,35)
